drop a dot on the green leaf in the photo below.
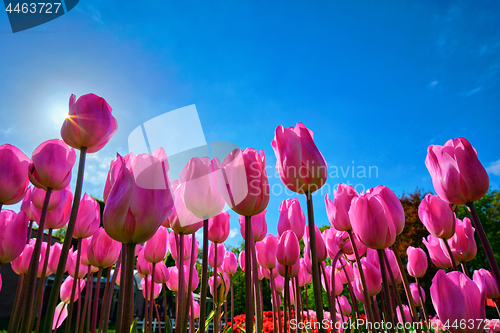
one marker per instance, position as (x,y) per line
(168,325)
(133,328)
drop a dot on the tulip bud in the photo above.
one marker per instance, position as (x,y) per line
(221,251)
(13,174)
(437,216)
(230,265)
(66,288)
(155,249)
(338,211)
(88,219)
(439,255)
(416,295)
(12,234)
(291,218)
(266,251)
(146,288)
(463,244)
(259,226)
(486,283)
(288,251)
(372,276)
(407,314)
(345,307)
(103,251)
(417,262)
(218,227)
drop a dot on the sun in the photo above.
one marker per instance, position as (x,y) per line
(59,115)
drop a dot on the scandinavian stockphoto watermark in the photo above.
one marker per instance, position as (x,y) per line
(353,324)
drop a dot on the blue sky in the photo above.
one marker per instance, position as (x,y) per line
(377,82)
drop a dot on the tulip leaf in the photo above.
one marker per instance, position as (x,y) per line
(168,325)
(133,328)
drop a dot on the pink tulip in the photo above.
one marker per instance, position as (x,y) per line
(394,206)
(416,295)
(291,218)
(155,249)
(60,315)
(288,251)
(345,307)
(196,308)
(218,228)
(266,251)
(140,199)
(88,218)
(457,298)
(267,273)
(0,282)
(338,211)
(358,290)
(338,284)
(103,251)
(438,254)
(54,256)
(457,175)
(462,243)
(241,260)
(437,216)
(162,274)
(89,123)
(59,217)
(229,265)
(344,243)
(321,252)
(329,238)
(243,183)
(113,173)
(299,163)
(200,192)
(71,265)
(173,280)
(407,314)
(181,219)
(21,264)
(486,283)
(51,165)
(291,292)
(372,221)
(222,288)
(146,289)
(13,174)
(84,260)
(66,288)
(417,262)
(259,226)
(221,251)
(372,275)
(26,204)
(291,271)
(346,273)
(144,267)
(279,283)
(173,244)
(12,234)
(306,264)
(372,258)
(195,280)
(304,277)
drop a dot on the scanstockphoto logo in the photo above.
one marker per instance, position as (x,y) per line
(180,134)
(28,14)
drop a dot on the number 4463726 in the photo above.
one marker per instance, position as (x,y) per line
(40,8)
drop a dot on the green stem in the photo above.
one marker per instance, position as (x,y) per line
(318,294)
(61,267)
(204,278)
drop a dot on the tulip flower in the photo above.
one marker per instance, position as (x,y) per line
(61,313)
(243,183)
(338,284)
(457,174)
(196,307)
(13,174)
(486,283)
(288,251)
(66,288)
(140,199)
(241,260)
(229,265)
(218,228)
(372,221)
(462,243)
(181,219)
(394,206)
(279,283)
(301,166)
(12,234)
(407,314)
(266,251)
(155,249)
(57,198)
(345,307)
(457,299)
(306,264)
(173,244)
(372,275)
(417,262)
(437,253)
(200,192)
(338,210)
(416,294)
(221,251)
(103,251)
(222,288)
(291,218)
(89,123)
(58,217)
(51,165)
(344,243)
(55,254)
(71,265)
(291,271)
(267,273)
(21,264)
(146,292)
(88,219)
(113,173)
(162,274)
(173,280)
(345,273)
(144,267)
(321,251)
(437,216)
(259,226)
(84,260)
(26,204)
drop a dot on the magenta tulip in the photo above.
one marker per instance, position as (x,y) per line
(103,251)
(291,218)
(416,295)
(306,264)
(346,273)
(51,165)
(146,292)
(173,280)
(462,243)
(266,251)
(406,311)
(89,123)
(279,283)
(181,219)
(173,244)
(338,210)
(230,264)
(218,228)
(243,183)
(26,204)
(88,218)
(486,283)
(140,199)
(196,308)
(267,273)
(372,221)
(241,260)
(13,174)
(162,274)
(59,217)
(321,251)
(200,192)
(437,216)
(259,226)
(144,267)
(71,265)
(437,252)
(457,299)
(66,288)
(54,256)
(417,262)
(57,198)
(372,275)
(60,314)
(84,260)
(288,251)
(291,271)
(21,264)
(345,307)
(394,206)
(338,284)
(155,249)
(301,166)
(222,292)
(457,174)
(221,251)
(12,234)
(113,173)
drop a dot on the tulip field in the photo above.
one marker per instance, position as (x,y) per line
(138,245)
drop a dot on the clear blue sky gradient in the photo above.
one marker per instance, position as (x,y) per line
(376,81)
